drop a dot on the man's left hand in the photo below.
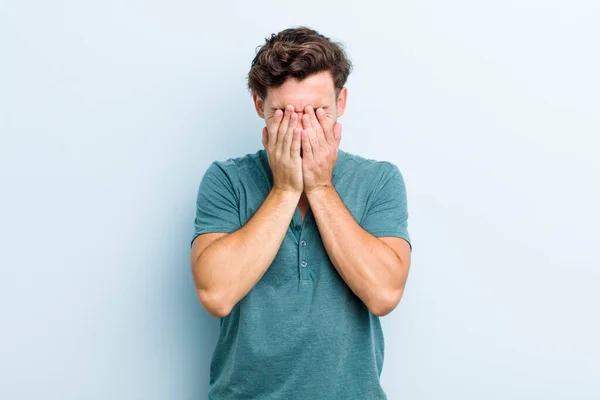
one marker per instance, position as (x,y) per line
(321,137)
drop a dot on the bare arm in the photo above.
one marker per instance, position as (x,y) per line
(376,269)
(226,267)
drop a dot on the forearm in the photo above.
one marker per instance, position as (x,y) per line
(232,265)
(369,266)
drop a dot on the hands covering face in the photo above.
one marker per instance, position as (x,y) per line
(320,142)
(317,134)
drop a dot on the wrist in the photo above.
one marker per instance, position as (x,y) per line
(286,193)
(319,190)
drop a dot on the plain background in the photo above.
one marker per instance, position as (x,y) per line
(110,112)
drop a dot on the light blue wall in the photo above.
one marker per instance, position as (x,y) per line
(111,111)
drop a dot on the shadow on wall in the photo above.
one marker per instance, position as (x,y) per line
(191,333)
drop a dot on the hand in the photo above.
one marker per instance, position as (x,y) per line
(321,138)
(281,139)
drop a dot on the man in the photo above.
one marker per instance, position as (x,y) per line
(300,247)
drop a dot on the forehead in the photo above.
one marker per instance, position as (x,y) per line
(316,90)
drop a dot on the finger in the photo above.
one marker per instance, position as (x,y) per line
(307,151)
(305,119)
(289,134)
(312,136)
(283,127)
(265,137)
(296,142)
(325,122)
(316,125)
(294,119)
(337,132)
(273,126)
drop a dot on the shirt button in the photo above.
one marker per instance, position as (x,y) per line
(303,263)
(303,243)
(298,227)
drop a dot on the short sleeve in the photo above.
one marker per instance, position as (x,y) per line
(216,204)
(387,213)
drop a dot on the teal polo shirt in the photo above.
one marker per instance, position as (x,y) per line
(300,333)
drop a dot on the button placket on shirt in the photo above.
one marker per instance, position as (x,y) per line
(302,256)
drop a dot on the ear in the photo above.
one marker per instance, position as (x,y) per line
(341,101)
(259,105)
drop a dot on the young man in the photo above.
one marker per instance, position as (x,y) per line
(300,247)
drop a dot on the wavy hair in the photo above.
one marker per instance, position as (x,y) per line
(297,53)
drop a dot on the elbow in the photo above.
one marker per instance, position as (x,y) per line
(214,301)
(385,304)
(214,304)
(381,310)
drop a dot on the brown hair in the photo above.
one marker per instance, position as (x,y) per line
(297,53)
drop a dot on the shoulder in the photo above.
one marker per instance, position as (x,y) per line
(239,163)
(233,167)
(362,168)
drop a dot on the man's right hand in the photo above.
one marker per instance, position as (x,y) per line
(281,139)
(250,250)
